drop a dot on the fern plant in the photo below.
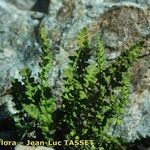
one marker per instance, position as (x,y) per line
(95,94)
(33,99)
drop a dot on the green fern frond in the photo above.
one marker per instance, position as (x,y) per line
(101,59)
(46,58)
(35,98)
(83,38)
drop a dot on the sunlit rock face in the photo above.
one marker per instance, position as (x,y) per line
(25,5)
(120,23)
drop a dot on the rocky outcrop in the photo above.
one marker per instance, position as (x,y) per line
(120,23)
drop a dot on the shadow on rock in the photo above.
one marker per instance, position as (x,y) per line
(41,6)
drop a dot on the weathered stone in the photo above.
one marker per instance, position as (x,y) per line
(22,4)
(17,42)
(140,2)
(22,147)
(121,26)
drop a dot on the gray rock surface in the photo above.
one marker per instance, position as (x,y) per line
(21,147)
(23,4)
(120,23)
(18,44)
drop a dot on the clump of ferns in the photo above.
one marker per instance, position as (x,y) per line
(94,95)
(34,99)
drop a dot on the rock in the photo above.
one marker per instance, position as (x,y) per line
(43,148)
(17,43)
(21,147)
(18,46)
(120,27)
(25,5)
(139,2)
